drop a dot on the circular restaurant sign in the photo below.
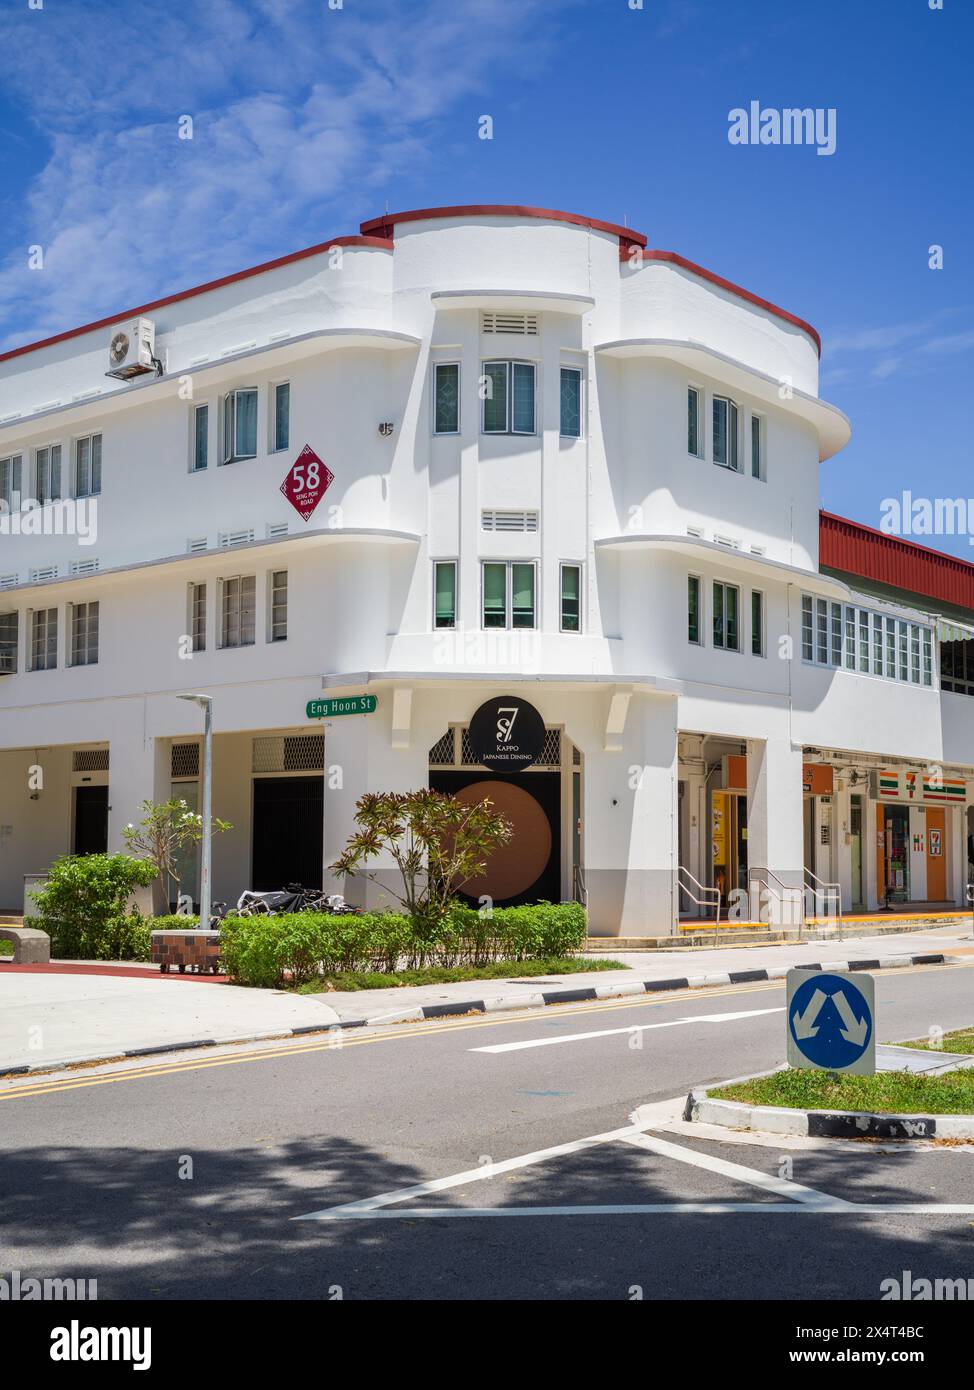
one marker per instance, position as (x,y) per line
(507,734)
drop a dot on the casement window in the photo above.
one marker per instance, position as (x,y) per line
(201,438)
(278,606)
(845,636)
(509,594)
(726,610)
(240,425)
(11,471)
(508,390)
(757,623)
(571,598)
(445,593)
(694,629)
(282,415)
(725,432)
(82,640)
(87,466)
(757,447)
(571,403)
(237,611)
(197,616)
(9,642)
(43,639)
(693,421)
(47,473)
(446,398)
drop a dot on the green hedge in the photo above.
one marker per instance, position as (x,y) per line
(298,947)
(82,907)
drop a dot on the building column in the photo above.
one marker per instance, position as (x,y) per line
(630,822)
(774,825)
(138,771)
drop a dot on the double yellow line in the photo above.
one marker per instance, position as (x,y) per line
(339,1041)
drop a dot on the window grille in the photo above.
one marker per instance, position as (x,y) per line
(289,753)
(523,324)
(185,760)
(90,760)
(443,752)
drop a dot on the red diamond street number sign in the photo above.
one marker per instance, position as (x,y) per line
(306,482)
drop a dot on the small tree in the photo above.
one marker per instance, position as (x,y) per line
(167,830)
(85,899)
(438,844)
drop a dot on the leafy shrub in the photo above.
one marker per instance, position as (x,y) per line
(303,946)
(82,907)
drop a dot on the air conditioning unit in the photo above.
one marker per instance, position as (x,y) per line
(132,350)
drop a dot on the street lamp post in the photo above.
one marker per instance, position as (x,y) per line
(205,703)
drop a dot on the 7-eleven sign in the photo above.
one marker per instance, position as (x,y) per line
(306,482)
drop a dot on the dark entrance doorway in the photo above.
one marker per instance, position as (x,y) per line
(532,801)
(288,832)
(90,820)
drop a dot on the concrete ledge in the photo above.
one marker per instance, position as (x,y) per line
(701,1108)
(31,947)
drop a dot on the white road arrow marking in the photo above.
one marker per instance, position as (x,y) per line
(802,1023)
(633,1028)
(855,1029)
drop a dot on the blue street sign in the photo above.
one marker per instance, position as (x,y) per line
(830,1021)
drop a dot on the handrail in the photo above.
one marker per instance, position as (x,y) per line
(785,888)
(824,889)
(578,884)
(701,902)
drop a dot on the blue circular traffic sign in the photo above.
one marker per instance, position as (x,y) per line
(830,1021)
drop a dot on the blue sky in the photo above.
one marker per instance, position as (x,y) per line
(308,119)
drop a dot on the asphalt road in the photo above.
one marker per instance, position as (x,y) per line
(181,1178)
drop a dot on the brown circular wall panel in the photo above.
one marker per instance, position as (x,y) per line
(513,868)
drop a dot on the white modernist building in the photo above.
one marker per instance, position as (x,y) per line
(565,472)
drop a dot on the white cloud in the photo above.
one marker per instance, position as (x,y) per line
(305,118)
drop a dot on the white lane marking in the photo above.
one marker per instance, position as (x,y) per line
(781,1187)
(631,1028)
(832,1208)
(487,1170)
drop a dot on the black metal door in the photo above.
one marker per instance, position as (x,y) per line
(288,832)
(90,820)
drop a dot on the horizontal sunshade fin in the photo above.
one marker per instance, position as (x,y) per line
(523,324)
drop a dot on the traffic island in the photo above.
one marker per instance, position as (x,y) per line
(916,1093)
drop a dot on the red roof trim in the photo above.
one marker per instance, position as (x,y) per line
(675,259)
(383,226)
(852,548)
(378,243)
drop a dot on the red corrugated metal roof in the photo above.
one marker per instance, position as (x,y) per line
(855,549)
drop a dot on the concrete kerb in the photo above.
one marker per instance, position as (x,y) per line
(502,1004)
(822,1124)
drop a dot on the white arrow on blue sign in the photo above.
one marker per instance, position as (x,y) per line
(831,1021)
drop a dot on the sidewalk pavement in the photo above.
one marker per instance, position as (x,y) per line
(54,1019)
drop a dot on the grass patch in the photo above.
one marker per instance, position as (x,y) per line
(961,1041)
(6,948)
(445,975)
(891,1092)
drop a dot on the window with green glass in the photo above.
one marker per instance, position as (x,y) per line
(445,586)
(201,436)
(495,595)
(571,403)
(757,623)
(446,391)
(508,390)
(725,432)
(726,635)
(282,415)
(571,598)
(693,609)
(522,595)
(757,459)
(693,420)
(494,388)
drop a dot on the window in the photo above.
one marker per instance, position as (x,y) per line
(693,610)
(201,438)
(9,627)
(757,452)
(571,403)
(808,650)
(445,593)
(10,480)
(197,616)
(47,465)
(725,432)
(927,656)
(693,421)
(571,598)
(240,425)
(278,606)
(87,466)
(508,389)
(866,642)
(282,415)
(509,594)
(757,623)
(237,612)
(446,398)
(83,618)
(43,639)
(726,634)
